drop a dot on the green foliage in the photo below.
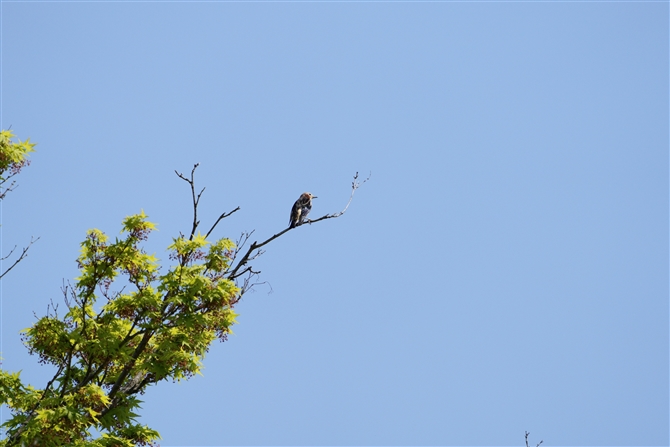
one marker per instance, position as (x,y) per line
(13,155)
(127,326)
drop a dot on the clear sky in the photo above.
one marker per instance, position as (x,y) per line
(504,270)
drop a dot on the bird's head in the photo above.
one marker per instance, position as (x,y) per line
(309,196)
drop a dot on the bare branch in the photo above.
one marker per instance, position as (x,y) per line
(246,258)
(538,445)
(196,199)
(241,242)
(8,254)
(222,216)
(354,186)
(253,251)
(23,254)
(249,255)
(12,186)
(248,285)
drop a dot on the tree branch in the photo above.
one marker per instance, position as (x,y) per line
(354,186)
(24,253)
(236,273)
(196,199)
(538,445)
(222,216)
(126,370)
(12,186)
(254,249)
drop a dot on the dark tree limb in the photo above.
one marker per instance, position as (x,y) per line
(126,371)
(235,273)
(239,266)
(249,255)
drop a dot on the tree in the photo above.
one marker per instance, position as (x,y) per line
(129,325)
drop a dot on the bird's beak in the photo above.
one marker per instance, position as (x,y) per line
(314,197)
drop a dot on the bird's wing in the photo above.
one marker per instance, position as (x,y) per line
(295,213)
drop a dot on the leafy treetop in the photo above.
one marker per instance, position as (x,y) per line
(112,344)
(128,326)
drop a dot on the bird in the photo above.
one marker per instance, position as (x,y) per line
(301,209)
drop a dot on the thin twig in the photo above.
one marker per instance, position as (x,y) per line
(222,216)
(8,254)
(354,186)
(12,186)
(24,253)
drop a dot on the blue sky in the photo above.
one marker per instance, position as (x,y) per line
(504,270)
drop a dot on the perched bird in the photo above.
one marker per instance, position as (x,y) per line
(301,209)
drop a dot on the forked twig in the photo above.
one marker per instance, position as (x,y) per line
(538,445)
(354,186)
(196,201)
